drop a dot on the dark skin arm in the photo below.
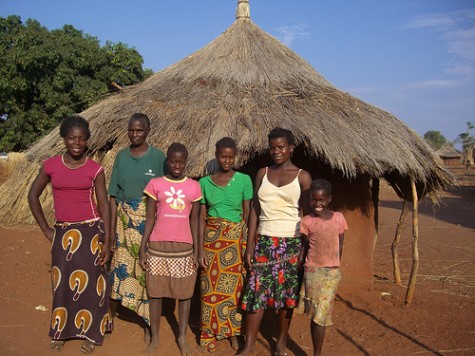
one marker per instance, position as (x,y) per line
(246,207)
(253,222)
(104,212)
(341,237)
(305,179)
(113,212)
(36,189)
(194,222)
(149,224)
(201,233)
(303,251)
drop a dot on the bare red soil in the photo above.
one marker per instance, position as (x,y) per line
(440,320)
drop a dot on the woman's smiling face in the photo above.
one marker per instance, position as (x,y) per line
(76,141)
(280,150)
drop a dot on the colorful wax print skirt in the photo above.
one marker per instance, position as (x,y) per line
(80,284)
(128,278)
(222,282)
(171,271)
(317,294)
(274,279)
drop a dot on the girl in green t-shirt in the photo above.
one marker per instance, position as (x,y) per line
(223,234)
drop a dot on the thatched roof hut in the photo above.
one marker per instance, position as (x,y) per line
(449,155)
(243,84)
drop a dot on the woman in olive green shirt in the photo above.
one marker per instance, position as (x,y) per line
(133,168)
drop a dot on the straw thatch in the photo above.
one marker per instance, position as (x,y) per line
(243,84)
(448,151)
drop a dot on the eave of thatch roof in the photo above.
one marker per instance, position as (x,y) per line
(243,84)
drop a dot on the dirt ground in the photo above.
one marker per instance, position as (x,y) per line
(440,320)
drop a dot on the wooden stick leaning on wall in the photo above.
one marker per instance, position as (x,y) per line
(415,241)
(395,244)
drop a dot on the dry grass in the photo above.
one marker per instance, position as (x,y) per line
(8,166)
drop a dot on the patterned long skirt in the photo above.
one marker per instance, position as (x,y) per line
(222,282)
(80,284)
(128,278)
(274,280)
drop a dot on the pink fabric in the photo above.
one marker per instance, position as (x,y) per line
(324,242)
(174,203)
(73,189)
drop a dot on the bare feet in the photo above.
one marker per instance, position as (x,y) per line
(246,353)
(56,345)
(183,345)
(147,334)
(152,347)
(235,344)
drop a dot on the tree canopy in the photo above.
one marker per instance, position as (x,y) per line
(435,138)
(467,138)
(45,75)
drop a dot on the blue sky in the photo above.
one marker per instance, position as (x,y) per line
(412,58)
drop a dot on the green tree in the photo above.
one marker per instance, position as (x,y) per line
(466,138)
(45,75)
(435,138)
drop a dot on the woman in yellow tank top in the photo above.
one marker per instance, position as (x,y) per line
(274,242)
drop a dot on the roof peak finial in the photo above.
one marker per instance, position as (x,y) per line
(242,10)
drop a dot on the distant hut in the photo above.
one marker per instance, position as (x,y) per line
(243,84)
(449,155)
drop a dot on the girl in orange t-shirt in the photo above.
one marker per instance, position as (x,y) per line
(322,238)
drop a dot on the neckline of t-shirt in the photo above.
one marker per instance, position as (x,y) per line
(141,156)
(227,184)
(175,181)
(68,167)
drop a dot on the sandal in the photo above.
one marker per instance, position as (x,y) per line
(88,347)
(56,345)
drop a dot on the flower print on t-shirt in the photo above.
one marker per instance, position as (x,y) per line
(175,197)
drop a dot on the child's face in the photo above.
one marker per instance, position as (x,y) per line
(319,201)
(280,150)
(226,157)
(176,163)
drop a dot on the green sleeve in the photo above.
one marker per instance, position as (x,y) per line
(203,190)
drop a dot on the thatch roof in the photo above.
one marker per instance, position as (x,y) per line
(448,151)
(243,84)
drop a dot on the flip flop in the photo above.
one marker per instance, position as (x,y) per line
(87,347)
(56,345)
